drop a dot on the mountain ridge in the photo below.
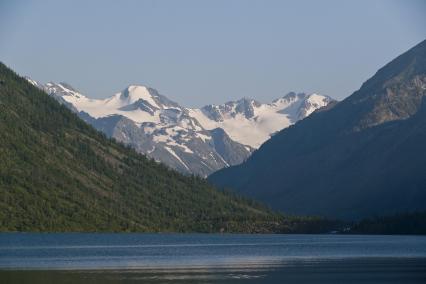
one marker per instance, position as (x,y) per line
(183,138)
(59,174)
(337,162)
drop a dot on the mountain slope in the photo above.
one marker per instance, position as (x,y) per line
(59,174)
(182,138)
(361,157)
(153,125)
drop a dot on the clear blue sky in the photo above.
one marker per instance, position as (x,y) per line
(200,52)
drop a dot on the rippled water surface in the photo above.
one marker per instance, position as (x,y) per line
(202,258)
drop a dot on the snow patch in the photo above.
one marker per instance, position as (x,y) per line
(203,137)
(176,156)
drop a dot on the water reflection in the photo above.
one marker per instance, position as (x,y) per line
(195,258)
(370,270)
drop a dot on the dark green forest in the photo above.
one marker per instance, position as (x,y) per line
(401,224)
(59,174)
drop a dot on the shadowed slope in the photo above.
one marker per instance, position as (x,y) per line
(360,157)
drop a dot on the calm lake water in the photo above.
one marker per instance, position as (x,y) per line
(202,258)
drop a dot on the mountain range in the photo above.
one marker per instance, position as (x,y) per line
(192,141)
(57,173)
(361,157)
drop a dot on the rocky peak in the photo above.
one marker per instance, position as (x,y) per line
(395,92)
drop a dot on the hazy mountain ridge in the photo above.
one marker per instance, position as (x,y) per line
(358,158)
(187,140)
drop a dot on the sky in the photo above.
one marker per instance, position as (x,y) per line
(200,52)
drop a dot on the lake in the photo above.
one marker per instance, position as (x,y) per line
(205,258)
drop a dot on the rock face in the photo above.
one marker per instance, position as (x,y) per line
(361,157)
(192,141)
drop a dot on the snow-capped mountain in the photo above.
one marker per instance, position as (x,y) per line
(251,123)
(192,141)
(156,126)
